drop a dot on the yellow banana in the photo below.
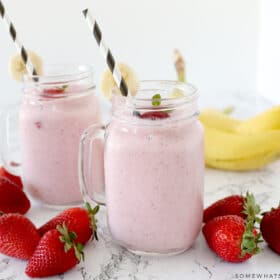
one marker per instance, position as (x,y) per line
(242,165)
(218,119)
(268,120)
(225,145)
(233,151)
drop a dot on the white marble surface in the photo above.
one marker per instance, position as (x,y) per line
(105,260)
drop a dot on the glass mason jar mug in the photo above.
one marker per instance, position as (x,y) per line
(54,111)
(153,166)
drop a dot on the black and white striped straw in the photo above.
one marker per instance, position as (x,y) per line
(94,27)
(19,46)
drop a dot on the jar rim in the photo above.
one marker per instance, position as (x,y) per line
(142,100)
(133,108)
(83,71)
(60,75)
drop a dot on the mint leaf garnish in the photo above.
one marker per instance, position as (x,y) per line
(64,87)
(156,99)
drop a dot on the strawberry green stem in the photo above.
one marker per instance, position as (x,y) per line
(251,238)
(251,208)
(62,88)
(93,221)
(228,110)
(68,238)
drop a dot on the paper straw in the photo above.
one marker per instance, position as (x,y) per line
(106,53)
(19,46)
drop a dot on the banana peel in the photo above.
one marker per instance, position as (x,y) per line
(267,120)
(247,164)
(219,120)
(232,151)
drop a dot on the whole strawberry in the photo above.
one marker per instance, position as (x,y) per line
(81,221)
(15,179)
(270,229)
(56,253)
(12,198)
(231,238)
(231,205)
(18,236)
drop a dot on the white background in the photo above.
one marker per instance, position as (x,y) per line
(226,43)
(268,77)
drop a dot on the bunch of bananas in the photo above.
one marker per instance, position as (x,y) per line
(233,144)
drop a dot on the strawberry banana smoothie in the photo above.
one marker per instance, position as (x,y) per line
(154,169)
(53,114)
(154,180)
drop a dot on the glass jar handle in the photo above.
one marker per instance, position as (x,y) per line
(9,140)
(91,164)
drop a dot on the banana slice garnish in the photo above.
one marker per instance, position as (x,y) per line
(108,84)
(176,93)
(17,68)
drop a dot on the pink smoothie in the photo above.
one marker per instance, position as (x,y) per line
(50,131)
(154,183)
